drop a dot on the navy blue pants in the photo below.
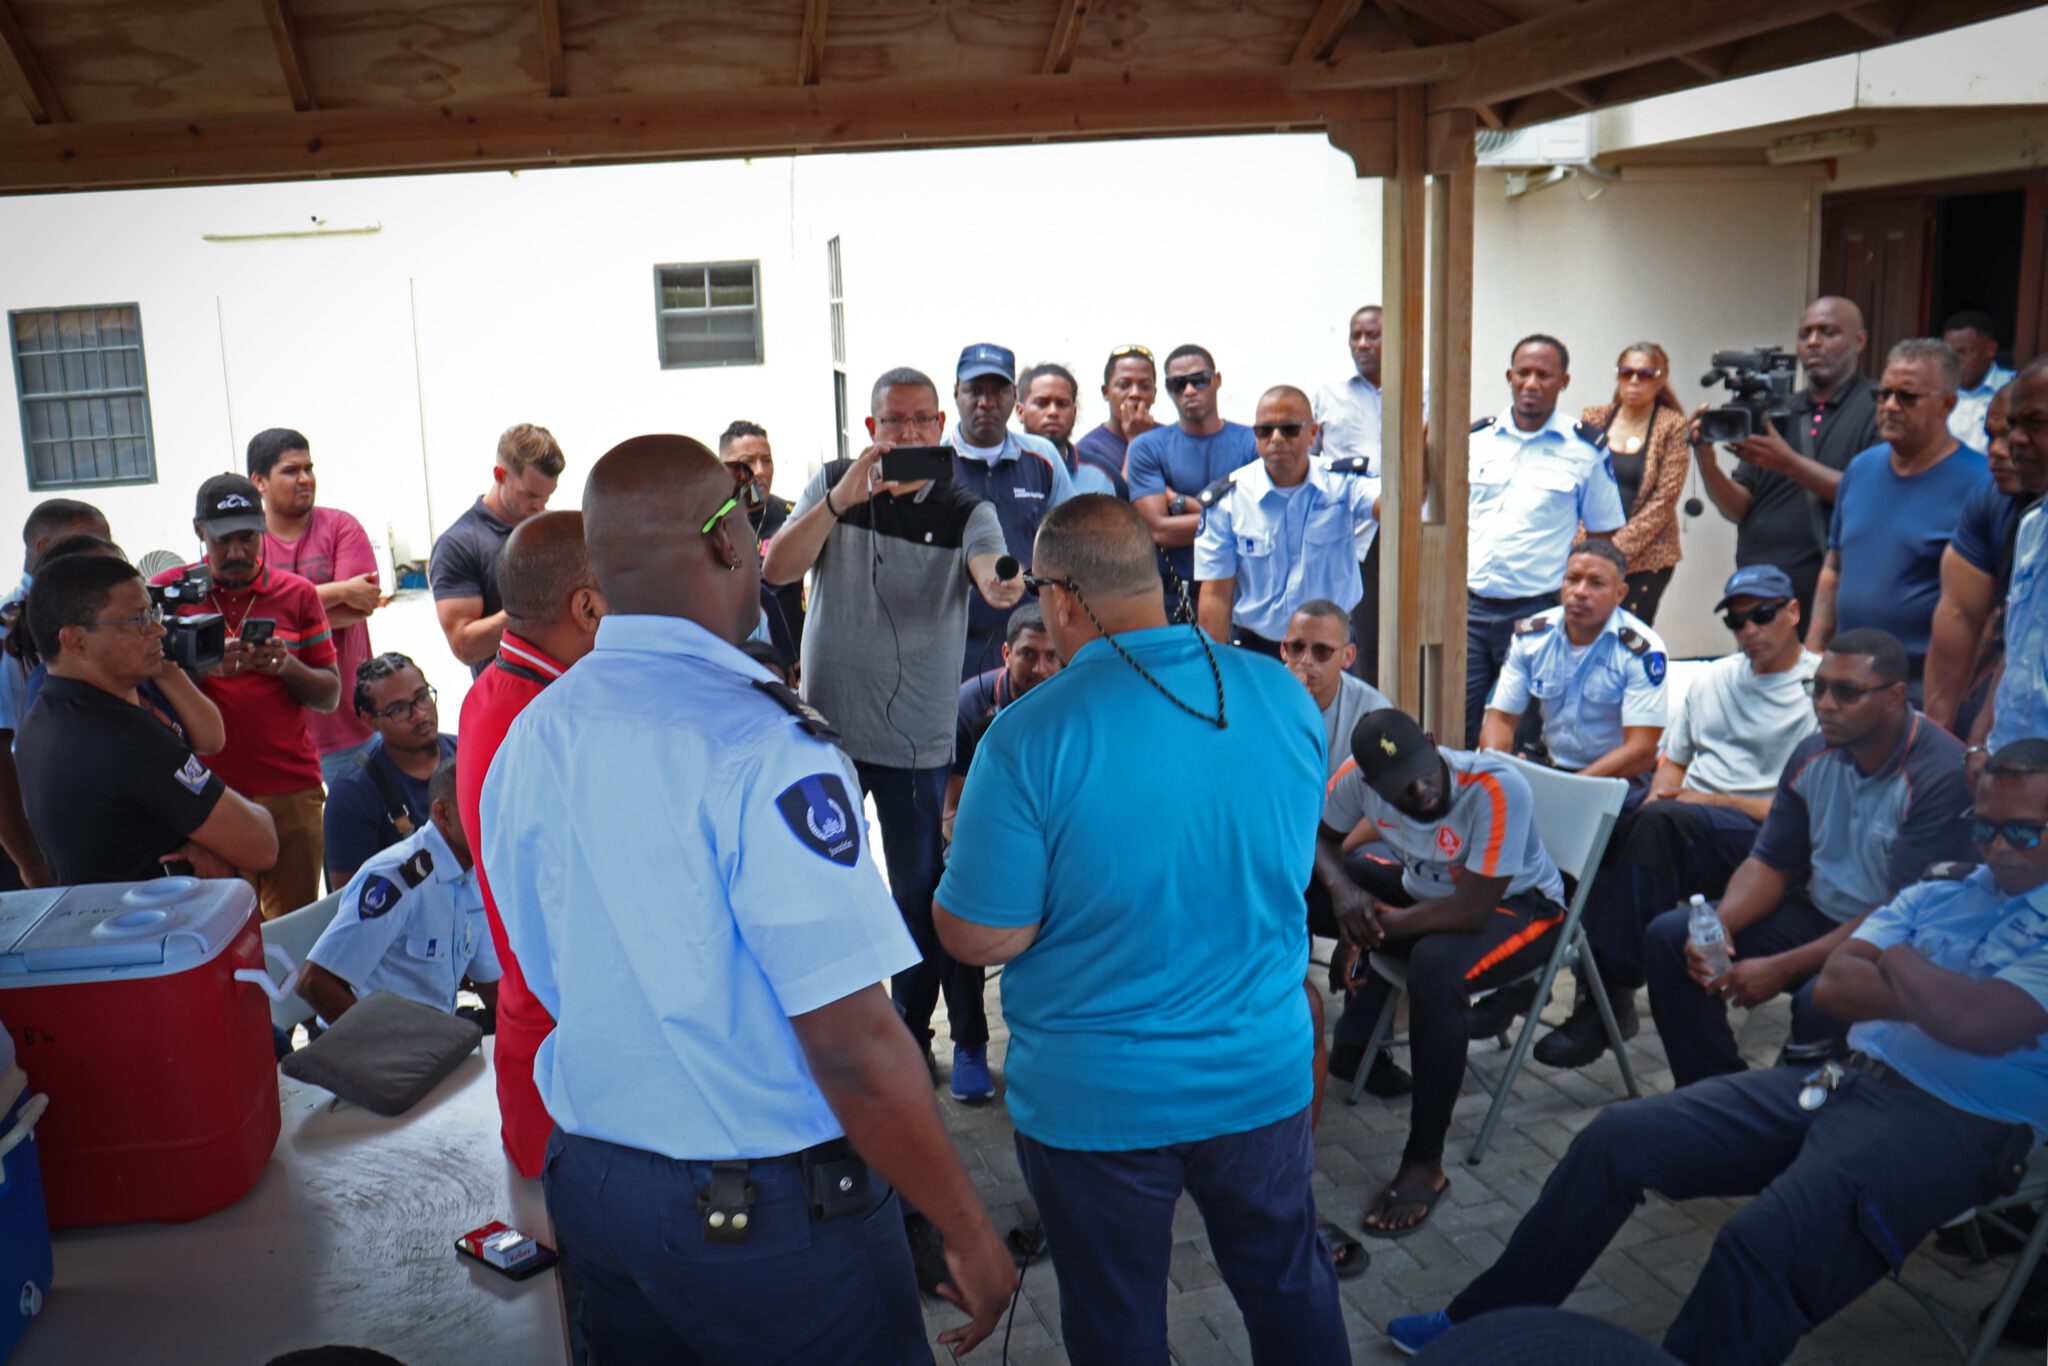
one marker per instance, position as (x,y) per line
(1108,1220)
(656,1292)
(909,803)
(1489,630)
(1693,1025)
(1844,1193)
(1661,853)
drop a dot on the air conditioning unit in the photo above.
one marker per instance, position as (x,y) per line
(1562,142)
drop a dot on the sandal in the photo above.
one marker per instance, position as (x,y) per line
(1392,1199)
(1346,1251)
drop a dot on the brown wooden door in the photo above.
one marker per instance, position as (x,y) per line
(1876,252)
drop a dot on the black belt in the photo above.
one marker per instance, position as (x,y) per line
(835,1183)
(1879,1070)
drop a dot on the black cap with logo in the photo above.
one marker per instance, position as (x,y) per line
(228,503)
(1392,751)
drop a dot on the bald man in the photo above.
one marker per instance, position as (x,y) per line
(1283,530)
(1782,493)
(678,854)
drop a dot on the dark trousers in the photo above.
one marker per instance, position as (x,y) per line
(656,1292)
(1444,970)
(1365,618)
(1108,1219)
(908,804)
(1843,1195)
(1646,590)
(1489,630)
(1693,1025)
(1661,853)
(1253,641)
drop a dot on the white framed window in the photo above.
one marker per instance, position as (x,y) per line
(708,313)
(84,396)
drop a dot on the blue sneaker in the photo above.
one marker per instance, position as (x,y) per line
(1414,1332)
(971,1081)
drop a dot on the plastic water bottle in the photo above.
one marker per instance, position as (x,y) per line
(1709,937)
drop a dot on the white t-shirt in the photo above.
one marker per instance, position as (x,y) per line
(1736,730)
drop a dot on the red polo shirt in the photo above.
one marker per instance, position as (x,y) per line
(499,694)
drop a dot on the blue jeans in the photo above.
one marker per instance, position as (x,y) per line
(1489,630)
(655,1291)
(333,766)
(1108,1219)
(908,804)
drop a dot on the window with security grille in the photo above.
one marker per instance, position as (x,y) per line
(84,396)
(708,314)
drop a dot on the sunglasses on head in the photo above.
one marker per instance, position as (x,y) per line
(1294,647)
(1130,349)
(1625,373)
(747,493)
(1200,379)
(2021,835)
(1290,430)
(1763,615)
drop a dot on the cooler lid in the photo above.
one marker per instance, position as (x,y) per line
(141,928)
(19,911)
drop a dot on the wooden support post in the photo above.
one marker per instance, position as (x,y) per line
(1403,589)
(1450,386)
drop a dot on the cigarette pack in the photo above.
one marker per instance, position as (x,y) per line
(500,1245)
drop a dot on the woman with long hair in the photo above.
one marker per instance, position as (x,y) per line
(1645,427)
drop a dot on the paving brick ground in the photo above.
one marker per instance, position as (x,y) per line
(1639,1283)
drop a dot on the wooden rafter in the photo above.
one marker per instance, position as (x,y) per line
(1578,93)
(1884,19)
(25,70)
(1398,66)
(1712,64)
(1468,18)
(285,33)
(1325,26)
(810,52)
(1066,38)
(551,58)
(1490,116)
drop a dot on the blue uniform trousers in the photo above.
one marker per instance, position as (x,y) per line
(1489,630)
(656,1292)
(1844,1193)
(909,804)
(1660,854)
(1693,1025)
(1108,1219)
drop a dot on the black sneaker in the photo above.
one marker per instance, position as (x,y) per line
(1387,1079)
(1581,1038)
(1491,1015)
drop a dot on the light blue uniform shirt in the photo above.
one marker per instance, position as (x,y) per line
(1530,492)
(1968,927)
(681,867)
(1587,702)
(1286,547)
(1349,415)
(1161,1001)
(412,923)
(1966,419)
(2021,707)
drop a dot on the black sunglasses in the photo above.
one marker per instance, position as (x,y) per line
(2021,835)
(1735,619)
(1294,647)
(1200,379)
(1905,398)
(1290,430)
(1845,693)
(1034,582)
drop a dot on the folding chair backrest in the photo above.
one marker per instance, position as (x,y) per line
(1573,815)
(296,932)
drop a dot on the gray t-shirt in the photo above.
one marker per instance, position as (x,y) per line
(888,618)
(464,563)
(1355,697)
(1490,828)
(1736,729)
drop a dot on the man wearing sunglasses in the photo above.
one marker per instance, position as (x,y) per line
(1282,531)
(382,797)
(1942,1098)
(1863,807)
(1896,509)
(1168,467)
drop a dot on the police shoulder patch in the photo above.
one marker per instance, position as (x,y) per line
(1212,495)
(1635,640)
(1483,423)
(822,817)
(1591,435)
(1532,626)
(378,895)
(1952,871)
(193,776)
(1348,464)
(808,716)
(415,869)
(1653,667)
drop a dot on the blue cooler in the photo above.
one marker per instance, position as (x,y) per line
(24,1224)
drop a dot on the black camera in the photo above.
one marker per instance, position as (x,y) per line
(1761,381)
(195,643)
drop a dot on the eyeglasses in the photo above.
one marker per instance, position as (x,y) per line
(1294,647)
(1625,373)
(917,422)
(139,624)
(1905,398)
(1846,694)
(1290,430)
(1034,582)
(420,701)
(1200,379)
(1129,349)
(1735,619)
(748,493)
(2021,835)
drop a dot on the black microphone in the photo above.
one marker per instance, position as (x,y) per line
(1007,567)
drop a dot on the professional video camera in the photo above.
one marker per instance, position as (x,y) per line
(1761,381)
(194,643)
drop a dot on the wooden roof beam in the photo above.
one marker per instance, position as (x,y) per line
(1066,38)
(1397,66)
(1468,18)
(551,59)
(25,70)
(1325,26)
(285,33)
(1578,93)
(1884,20)
(810,52)
(1712,62)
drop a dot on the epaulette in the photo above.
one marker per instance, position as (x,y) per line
(1212,495)
(808,716)
(1532,626)
(415,869)
(1348,464)
(1636,642)
(1591,435)
(1954,870)
(1482,424)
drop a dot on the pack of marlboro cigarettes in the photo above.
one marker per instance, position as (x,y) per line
(499,1244)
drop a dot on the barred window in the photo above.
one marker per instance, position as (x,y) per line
(84,396)
(708,314)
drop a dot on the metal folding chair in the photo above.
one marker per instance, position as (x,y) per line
(2032,1193)
(1574,818)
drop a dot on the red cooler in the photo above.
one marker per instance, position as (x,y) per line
(139,1009)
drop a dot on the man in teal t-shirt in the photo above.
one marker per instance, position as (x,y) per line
(1149,909)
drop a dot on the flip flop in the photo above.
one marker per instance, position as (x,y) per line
(1346,1251)
(1391,1199)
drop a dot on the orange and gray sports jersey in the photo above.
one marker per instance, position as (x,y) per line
(1490,828)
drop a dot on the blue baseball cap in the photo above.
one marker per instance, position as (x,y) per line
(1756,581)
(986,358)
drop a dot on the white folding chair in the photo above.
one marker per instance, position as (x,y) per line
(296,932)
(2032,1193)
(1574,818)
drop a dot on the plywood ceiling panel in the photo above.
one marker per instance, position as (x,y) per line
(622,47)
(1134,35)
(365,53)
(883,40)
(115,60)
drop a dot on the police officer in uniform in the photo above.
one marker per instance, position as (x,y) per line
(1853,1164)
(411,921)
(678,855)
(1536,478)
(1281,531)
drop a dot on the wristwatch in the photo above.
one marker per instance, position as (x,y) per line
(1177,505)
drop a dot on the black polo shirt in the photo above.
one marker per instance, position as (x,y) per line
(109,789)
(1786,525)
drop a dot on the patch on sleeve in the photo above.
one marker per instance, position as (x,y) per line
(1653,667)
(379,894)
(822,817)
(194,776)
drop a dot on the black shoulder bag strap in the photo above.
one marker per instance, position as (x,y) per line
(394,802)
